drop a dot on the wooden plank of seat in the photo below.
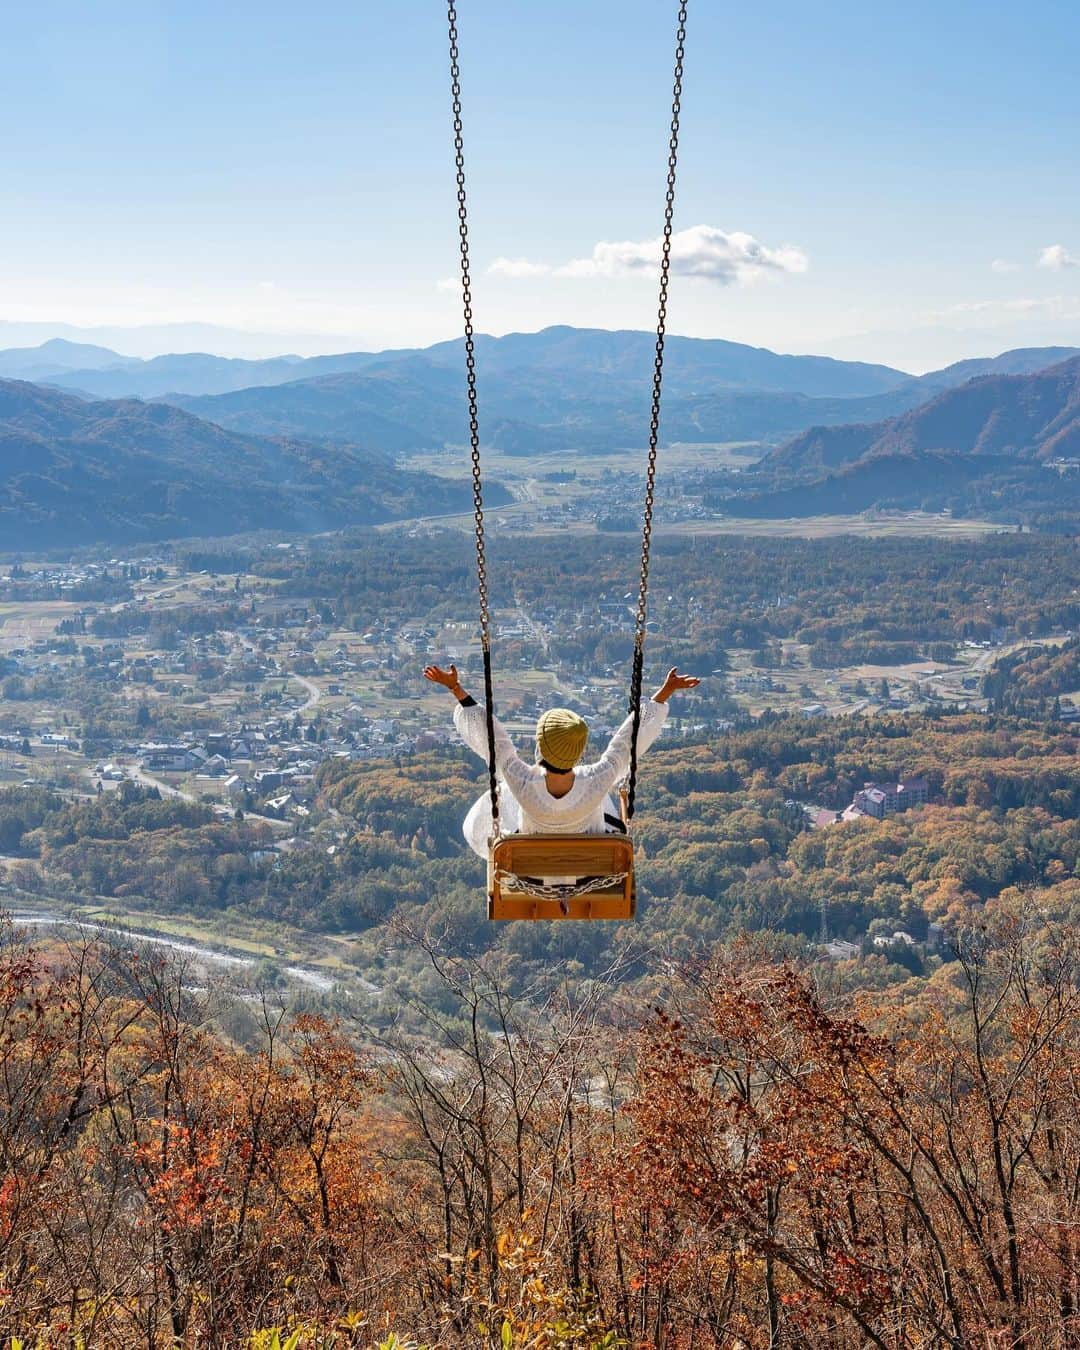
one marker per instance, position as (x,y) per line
(563,856)
(514,905)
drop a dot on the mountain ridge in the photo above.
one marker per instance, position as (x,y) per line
(73,472)
(583,408)
(991,445)
(1035,415)
(623,353)
(1015,361)
(57,357)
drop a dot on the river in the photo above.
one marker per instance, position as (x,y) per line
(45,918)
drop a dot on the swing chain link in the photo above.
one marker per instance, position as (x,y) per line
(661,323)
(474,421)
(470,348)
(654,419)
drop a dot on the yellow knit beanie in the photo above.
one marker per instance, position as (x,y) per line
(561,737)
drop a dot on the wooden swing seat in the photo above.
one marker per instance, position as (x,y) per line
(602,865)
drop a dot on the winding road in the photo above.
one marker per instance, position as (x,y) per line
(314,692)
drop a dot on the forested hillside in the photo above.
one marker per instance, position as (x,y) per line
(1032,417)
(1033,678)
(73,472)
(986,446)
(991,487)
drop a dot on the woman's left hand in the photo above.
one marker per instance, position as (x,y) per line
(447,678)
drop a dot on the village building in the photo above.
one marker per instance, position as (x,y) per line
(886,799)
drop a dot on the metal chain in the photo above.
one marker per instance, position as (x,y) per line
(540,890)
(661,320)
(474,423)
(654,419)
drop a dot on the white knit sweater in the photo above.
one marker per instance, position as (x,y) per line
(526,806)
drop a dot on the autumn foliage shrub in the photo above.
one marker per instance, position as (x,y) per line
(754,1164)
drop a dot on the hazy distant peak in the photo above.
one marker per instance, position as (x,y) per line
(55,357)
(1017,361)
(77,355)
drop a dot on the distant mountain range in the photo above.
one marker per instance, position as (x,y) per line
(583,390)
(998,443)
(151,339)
(74,472)
(412,404)
(561,389)
(620,356)
(318,451)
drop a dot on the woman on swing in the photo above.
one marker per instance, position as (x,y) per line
(557,794)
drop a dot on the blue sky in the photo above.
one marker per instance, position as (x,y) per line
(898,169)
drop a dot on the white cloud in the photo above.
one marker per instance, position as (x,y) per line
(518,267)
(1057,257)
(448,284)
(700,251)
(1003,265)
